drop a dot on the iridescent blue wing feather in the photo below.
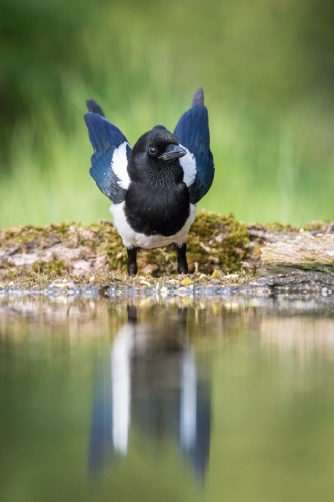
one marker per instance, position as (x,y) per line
(192,132)
(111,153)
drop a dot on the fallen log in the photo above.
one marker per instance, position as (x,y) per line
(300,263)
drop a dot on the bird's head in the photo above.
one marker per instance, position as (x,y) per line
(156,156)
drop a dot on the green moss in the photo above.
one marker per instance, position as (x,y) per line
(53,268)
(275,226)
(108,242)
(317,226)
(29,237)
(217,242)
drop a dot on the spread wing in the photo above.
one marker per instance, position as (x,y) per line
(192,132)
(111,153)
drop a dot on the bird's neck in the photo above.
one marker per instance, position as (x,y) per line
(170,175)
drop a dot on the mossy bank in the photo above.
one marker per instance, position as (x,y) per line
(219,247)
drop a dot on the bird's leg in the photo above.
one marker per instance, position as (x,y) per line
(182,265)
(132,261)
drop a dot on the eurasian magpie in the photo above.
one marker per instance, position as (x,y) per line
(155,185)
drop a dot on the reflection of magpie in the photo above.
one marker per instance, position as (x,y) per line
(155,186)
(151,382)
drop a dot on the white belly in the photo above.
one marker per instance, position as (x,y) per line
(133,239)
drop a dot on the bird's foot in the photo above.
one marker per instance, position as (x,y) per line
(132,270)
(181,270)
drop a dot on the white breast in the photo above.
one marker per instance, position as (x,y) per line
(134,239)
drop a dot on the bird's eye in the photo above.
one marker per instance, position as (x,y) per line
(152,151)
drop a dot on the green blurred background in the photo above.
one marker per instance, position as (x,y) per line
(267,68)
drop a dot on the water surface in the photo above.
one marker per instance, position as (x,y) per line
(171,400)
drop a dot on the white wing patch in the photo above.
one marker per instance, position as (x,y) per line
(119,164)
(188,164)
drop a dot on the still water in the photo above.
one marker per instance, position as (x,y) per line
(168,400)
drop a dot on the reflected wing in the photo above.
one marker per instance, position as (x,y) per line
(111,153)
(192,132)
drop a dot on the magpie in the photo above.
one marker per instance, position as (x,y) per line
(154,187)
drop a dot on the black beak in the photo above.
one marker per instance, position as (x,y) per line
(173,152)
